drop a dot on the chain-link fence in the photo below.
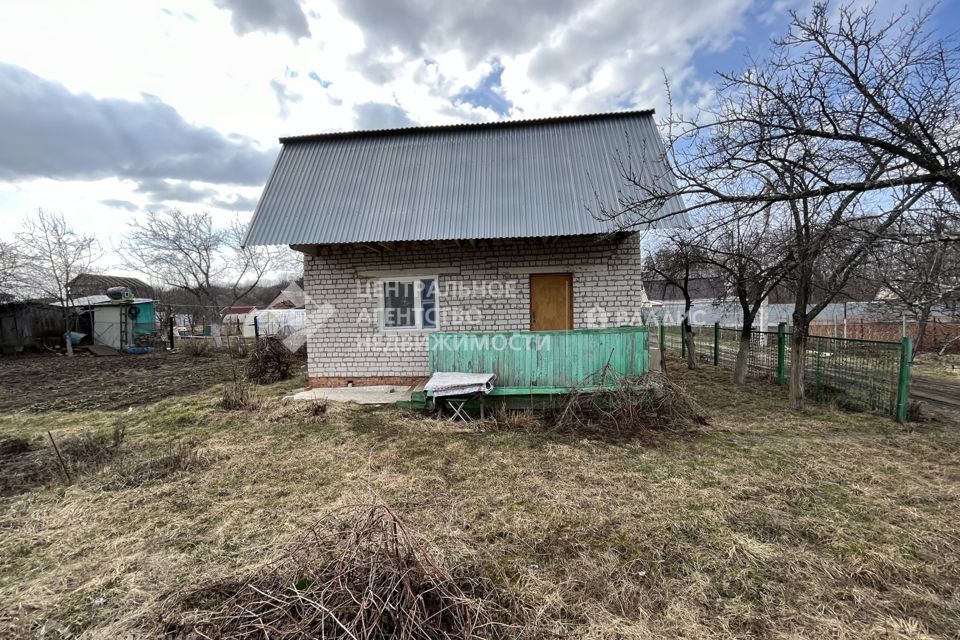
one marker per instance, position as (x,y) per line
(864,375)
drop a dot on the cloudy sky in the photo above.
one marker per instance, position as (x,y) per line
(108,108)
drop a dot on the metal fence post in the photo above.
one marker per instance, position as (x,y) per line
(256,329)
(817,380)
(782,353)
(663,341)
(172,323)
(716,344)
(903,380)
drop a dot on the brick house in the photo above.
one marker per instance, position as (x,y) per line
(476,227)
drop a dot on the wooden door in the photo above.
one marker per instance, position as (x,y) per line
(551,302)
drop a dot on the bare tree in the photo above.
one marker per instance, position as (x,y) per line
(677,261)
(919,269)
(50,255)
(844,79)
(834,136)
(746,253)
(188,252)
(9,270)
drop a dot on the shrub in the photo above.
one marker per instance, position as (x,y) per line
(197,347)
(239,395)
(270,362)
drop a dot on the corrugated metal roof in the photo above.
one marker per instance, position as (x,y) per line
(510,179)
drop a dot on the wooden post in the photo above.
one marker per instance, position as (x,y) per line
(172,324)
(63,465)
(256,329)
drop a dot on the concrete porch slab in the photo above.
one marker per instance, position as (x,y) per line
(380,394)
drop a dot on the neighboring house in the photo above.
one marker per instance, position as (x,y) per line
(233,318)
(477,227)
(92,284)
(291,297)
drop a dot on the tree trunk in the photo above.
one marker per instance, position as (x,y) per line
(68,325)
(921,332)
(743,356)
(798,362)
(688,337)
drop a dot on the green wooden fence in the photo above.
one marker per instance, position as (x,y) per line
(544,362)
(865,375)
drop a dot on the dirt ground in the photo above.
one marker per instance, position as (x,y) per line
(39,383)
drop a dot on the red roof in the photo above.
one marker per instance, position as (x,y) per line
(238,310)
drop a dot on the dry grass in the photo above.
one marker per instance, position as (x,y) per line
(936,367)
(764,524)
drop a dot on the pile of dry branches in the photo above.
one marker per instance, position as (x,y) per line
(359,574)
(633,406)
(270,362)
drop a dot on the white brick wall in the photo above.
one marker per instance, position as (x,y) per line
(481,287)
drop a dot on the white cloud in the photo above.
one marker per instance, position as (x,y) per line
(285,67)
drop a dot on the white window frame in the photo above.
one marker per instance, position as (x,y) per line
(417,303)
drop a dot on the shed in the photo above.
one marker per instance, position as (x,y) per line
(26,324)
(121,325)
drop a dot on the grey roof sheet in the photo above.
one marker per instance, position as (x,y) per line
(510,179)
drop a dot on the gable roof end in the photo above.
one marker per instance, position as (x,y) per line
(514,179)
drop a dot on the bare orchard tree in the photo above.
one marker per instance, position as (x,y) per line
(50,254)
(919,266)
(862,87)
(835,136)
(9,271)
(186,251)
(746,253)
(677,262)
(829,237)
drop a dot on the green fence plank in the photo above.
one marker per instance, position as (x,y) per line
(554,359)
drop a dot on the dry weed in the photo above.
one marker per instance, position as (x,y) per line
(359,573)
(631,408)
(270,362)
(180,458)
(239,395)
(196,347)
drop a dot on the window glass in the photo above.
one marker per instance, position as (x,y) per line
(428,302)
(399,305)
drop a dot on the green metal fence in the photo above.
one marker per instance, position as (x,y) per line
(865,375)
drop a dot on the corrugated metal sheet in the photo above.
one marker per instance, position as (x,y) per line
(498,180)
